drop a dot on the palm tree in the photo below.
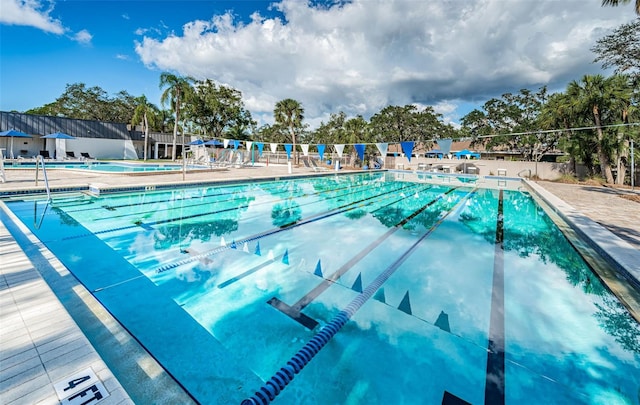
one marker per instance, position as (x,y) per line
(144,112)
(289,114)
(356,130)
(599,99)
(616,3)
(177,91)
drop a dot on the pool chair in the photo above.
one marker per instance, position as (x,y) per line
(86,155)
(239,162)
(71,155)
(223,160)
(317,168)
(305,161)
(45,154)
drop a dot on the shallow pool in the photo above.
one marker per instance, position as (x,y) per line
(376,288)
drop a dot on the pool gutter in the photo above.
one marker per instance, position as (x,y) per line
(618,253)
(141,376)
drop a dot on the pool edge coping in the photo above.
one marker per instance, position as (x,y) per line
(67,283)
(608,244)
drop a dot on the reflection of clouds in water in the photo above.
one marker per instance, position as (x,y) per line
(236,297)
(548,314)
(189,273)
(551,328)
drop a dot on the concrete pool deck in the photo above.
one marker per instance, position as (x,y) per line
(44,309)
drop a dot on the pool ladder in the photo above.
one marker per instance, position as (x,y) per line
(40,162)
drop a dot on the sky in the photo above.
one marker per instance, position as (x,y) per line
(354,56)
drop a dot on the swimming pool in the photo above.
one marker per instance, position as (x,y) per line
(377,288)
(111,167)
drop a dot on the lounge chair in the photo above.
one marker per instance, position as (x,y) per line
(86,155)
(238,161)
(45,154)
(305,161)
(223,160)
(316,167)
(71,155)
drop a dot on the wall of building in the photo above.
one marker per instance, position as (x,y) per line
(544,170)
(99,148)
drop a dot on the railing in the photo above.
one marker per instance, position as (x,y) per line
(40,162)
(2,176)
(37,220)
(524,171)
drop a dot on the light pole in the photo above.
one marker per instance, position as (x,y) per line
(633,167)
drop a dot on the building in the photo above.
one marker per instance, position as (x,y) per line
(102,140)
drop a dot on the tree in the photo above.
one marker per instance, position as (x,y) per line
(144,113)
(177,91)
(602,101)
(620,49)
(395,124)
(289,114)
(331,132)
(90,103)
(616,3)
(357,131)
(557,115)
(269,133)
(407,123)
(509,122)
(217,109)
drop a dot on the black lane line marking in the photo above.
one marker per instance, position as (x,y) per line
(294,310)
(495,379)
(249,272)
(297,316)
(313,218)
(263,265)
(285,375)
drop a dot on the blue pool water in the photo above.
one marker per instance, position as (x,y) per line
(377,288)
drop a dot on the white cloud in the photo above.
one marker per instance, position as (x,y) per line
(83,36)
(122,57)
(30,13)
(363,55)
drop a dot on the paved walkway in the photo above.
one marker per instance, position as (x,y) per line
(603,205)
(43,345)
(40,344)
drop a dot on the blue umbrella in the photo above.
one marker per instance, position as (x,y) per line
(58,135)
(213,142)
(12,133)
(196,142)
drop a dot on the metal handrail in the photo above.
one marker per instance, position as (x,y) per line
(37,223)
(2,175)
(523,171)
(40,162)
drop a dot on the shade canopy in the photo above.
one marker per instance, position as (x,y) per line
(196,142)
(214,142)
(434,152)
(12,133)
(58,135)
(15,134)
(468,153)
